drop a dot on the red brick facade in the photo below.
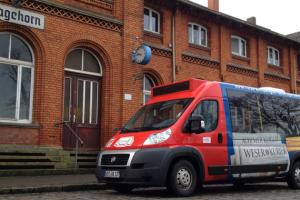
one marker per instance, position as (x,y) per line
(112,30)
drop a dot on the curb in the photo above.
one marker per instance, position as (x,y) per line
(52,188)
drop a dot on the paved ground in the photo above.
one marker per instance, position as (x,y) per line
(53,180)
(50,183)
(272,191)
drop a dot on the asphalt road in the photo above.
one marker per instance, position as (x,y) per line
(266,191)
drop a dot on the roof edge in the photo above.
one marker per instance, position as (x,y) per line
(235,19)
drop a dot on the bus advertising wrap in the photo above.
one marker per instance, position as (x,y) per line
(259,149)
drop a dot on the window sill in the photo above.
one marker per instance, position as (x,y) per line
(20,125)
(196,46)
(275,66)
(153,34)
(242,58)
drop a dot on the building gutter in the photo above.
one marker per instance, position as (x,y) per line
(174,45)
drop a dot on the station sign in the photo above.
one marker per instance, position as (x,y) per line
(21,16)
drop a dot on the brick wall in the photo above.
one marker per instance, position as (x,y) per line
(51,47)
(252,70)
(113,41)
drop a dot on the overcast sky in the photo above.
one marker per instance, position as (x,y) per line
(282,16)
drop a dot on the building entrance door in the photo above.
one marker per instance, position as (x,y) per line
(81,111)
(83,74)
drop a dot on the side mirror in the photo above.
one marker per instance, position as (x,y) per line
(197,124)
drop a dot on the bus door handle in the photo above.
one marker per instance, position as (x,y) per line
(220,138)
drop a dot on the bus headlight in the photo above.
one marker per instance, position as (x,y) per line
(158,137)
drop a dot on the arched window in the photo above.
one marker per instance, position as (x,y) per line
(149,82)
(83,61)
(81,93)
(197,34)
(238,46)
(273,56)
(16,79)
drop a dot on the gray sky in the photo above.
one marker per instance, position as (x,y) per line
(282,16)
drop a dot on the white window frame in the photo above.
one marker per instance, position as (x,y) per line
(150,28)
(70,100)
(273,61)
(82,63)
(240,43)
(91,82)
(20,64)
(81,71)
(191,37)
(145,91)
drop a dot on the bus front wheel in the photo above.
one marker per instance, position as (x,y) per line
(294,176)
(182,179)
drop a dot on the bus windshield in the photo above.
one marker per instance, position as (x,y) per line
(156,116)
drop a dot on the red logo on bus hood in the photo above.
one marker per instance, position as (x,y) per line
(127,141)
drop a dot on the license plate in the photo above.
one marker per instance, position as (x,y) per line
(112,174)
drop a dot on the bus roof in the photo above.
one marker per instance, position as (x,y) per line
(190,88)
(266,91)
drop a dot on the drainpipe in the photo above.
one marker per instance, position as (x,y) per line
(173,46)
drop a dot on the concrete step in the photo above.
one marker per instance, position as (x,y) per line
(26,163)
(22,153)
(86,160)
(42,172)
(80,159)
(25,158)
(30,158)
(28,149)
(87,166)
(86,155)
(87,163)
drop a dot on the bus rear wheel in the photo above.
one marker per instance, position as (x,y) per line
(182,179)
(294,176)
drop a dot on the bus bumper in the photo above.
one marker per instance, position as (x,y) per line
(144,167)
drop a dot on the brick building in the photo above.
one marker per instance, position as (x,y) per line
(70,61)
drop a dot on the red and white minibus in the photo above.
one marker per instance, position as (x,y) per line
(198,132)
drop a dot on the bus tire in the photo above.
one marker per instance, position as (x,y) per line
(182,179)
(123,188)
(293,179)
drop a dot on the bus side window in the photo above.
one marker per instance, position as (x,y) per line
(208,110)
(263,113)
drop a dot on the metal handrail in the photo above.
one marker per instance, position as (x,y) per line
(77,139)
(73,132)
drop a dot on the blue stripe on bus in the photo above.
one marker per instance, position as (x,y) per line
(228,123)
